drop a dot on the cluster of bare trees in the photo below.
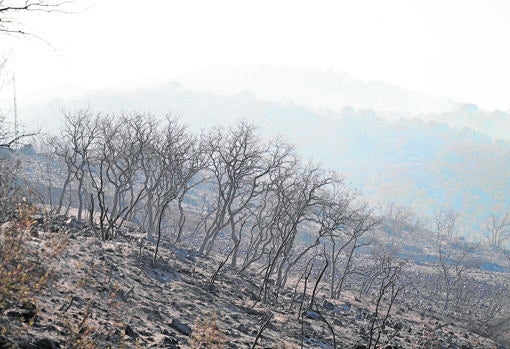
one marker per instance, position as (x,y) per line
(126,167)
(445,223)
(289,224)
(292,225)
(265,206)
(497,229)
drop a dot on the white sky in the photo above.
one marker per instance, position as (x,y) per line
(454,48)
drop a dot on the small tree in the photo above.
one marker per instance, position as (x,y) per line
(389,285)
(445,222)
(497,229)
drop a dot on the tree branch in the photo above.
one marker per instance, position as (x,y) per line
(9,144)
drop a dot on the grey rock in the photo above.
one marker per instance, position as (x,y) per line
(129,331)
(25,313)
(242,328)
(46,343)
(181,327)
(398,326)
(313,315)
(337,322)
(171,343)
(329,305)
(7,226)
(346,307)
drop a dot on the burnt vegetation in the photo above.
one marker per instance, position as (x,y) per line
(131,231)
(241,226)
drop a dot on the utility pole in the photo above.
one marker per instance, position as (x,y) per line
(15,107)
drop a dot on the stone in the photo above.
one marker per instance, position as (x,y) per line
(313,315)
(337,322)
(46,343)
(25,313)
(346,307)
(115,336)
(329,305)
(129,331)
(398,326)
(181,327)
(242,328)
(39,219)
(171,343)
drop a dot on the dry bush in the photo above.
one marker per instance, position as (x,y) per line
(10,191)
(428,339)
(24,267)
(207,335)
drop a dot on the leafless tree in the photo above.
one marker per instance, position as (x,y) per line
(400,218)
(9,189)
(180,162)
(497,229)
(445,222)
(361,222)
(142,132)
(74,147)
(8,140)
(297,193)
(263,214)
(389,285)
(452,269)
(237,167)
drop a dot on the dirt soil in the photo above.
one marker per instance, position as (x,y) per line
(111,294)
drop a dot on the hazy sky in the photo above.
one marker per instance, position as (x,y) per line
(459,49)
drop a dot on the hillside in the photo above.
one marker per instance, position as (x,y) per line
(313,266)
(111,294)
(427,165)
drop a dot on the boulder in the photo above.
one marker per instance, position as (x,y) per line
(129,331)
(181,327)
(329,305)
(313,315)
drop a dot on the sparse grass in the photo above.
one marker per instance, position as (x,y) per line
(24,260)
(428,339)
(207,335)
(23,268)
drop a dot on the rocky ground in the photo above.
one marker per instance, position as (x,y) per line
(111,294)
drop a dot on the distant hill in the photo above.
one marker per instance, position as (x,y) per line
(324,89)
(495,124)
(427,165)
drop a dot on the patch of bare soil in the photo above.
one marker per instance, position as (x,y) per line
(110,294)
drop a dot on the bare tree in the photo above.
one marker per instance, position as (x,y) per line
(452,269)
(400,218)
(180,162)
(8,140)
(78,137)
(264,213)
(9,188)
(237,166)
(445,222)
(497,229)
(297,191)
(360,222)
(389,285)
